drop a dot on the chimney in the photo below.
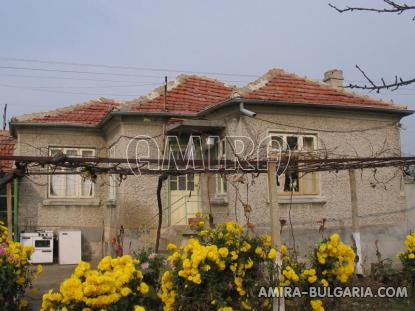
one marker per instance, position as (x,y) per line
(334,78)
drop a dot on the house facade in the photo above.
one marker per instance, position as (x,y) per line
(197,116)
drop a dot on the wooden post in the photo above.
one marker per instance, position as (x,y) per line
(355,221)
(9,209)
(277,304)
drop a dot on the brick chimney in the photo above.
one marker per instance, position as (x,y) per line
(334,78)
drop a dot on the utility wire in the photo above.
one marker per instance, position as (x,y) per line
(76,71)
(66,92)
(163,70)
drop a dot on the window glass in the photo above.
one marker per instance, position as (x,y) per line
(308,143)
(69,185)
(292,142)
(173,182)
(190,182)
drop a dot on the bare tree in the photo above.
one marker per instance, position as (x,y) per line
(390,7)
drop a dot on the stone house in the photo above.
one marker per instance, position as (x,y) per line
(290,110)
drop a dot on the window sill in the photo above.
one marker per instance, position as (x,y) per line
(219,199)
(72,202)
(302,199)
(111,203)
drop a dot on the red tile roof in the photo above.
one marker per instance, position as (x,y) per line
(188,94)
(193,94)
(278,85)
(6,148)
(89,113)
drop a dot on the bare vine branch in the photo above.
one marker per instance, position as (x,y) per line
(392,7)
(393,86)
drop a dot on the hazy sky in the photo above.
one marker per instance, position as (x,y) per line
(236,37)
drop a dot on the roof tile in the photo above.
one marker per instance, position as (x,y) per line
(7,144)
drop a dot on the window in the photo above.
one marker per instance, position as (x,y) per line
(182,182)
(70,185)
(295,182)
(221,186)
(113,181)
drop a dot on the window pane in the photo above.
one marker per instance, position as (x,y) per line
(190,182)
(182,182)
(308,143)
(86,188)
(87,153)
(310,183)
(57,183)
(71,185)
(71,152)
(173,182)
(292,142)
(291,183)
(277,142)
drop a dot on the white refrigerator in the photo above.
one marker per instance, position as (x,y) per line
(70,247)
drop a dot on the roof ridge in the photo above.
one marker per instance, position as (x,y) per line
(171,85)
(274,72)
(54,112)
(346,92)
(261,81)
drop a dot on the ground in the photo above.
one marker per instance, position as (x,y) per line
(50,278)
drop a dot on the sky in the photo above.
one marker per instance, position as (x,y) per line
(237,40)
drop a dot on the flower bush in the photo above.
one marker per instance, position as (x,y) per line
(220,269)
(15,273)
(331,264)
(408,257)
(152,266)
(116,284)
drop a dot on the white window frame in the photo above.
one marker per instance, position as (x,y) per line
(78,183)
(113,181)
(299,150)
(221,183)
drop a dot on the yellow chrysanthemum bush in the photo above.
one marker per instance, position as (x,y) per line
(331,264)
(115,285)
(16,274)
(408,258)
(220,269)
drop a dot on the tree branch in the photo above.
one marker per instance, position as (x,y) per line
(399,82)
(392,7)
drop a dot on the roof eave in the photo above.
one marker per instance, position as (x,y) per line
(400,112)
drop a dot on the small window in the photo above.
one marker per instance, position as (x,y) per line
(295,182)
(66,185)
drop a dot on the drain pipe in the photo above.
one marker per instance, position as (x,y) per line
(246,112)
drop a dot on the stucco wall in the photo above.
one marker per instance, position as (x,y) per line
(380,206)
(36,211)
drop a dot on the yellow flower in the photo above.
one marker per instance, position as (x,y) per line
(139,308)
(171,246)
(259,251)
(223,251)
(125,291)
(272,254)
(411,256)
(39,269)
(324,282)
(144,288)
(317,305)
